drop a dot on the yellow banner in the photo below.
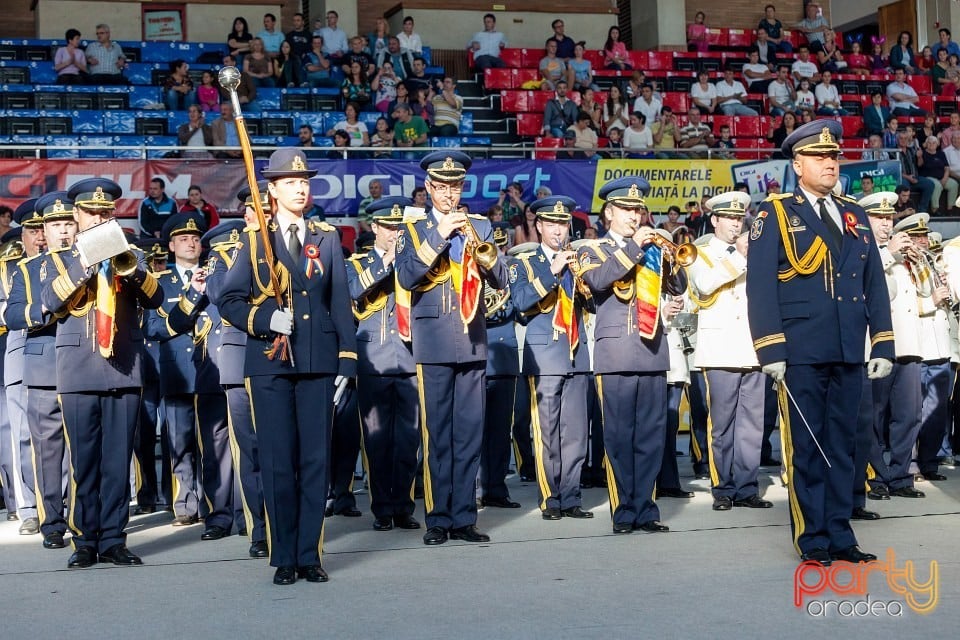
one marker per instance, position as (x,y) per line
(672,182)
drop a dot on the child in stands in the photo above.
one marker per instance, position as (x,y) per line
(208,95)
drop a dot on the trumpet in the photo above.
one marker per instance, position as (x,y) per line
(681,255)
(483,253)
(124,263)
(930,262)
(574,265)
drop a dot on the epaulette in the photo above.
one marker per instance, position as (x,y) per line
(477,216)
(27,259)
(58,249)
(358,256)
(253,226)
(576,245)
(162,273)
(413,217)
(846,198)
(777,196)
(525,256)
(323,226)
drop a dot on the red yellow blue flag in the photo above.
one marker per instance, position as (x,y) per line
(648,278)
(564,313)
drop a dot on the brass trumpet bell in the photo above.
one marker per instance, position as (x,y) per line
(124,264)
(682,255)
(483,253)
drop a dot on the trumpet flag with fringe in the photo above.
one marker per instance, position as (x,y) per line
(106,302)
(564,313)
(648,279)
(466,279)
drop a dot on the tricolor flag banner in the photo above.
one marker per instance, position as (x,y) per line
(106,309)
(564,316)
(402,298)
(466,279)
(648,280)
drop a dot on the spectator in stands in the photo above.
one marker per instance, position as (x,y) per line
(879,63)
(875,116)
(299,37)
(866,187)
(559,113)
(195,132)
(364,219)
(766,50)
(804,67)
(901,54)
(932,164)
(615,54)
(634,85)
(724,143)
(637,138)
(287,68)
(781,94)
(155,209)
(588,104)
(356,88)
(757,75)
(447,109)
(777,135)
(805,115)
(828,98)
(814,25)
(569,150)
(806,98)
(178,93)
(318,68)
(271,35)
(905,205)
(552,68)
(926,61)
(649,104)
(857,61)
(421,104)
(418,78)
(6,218)
(105,59)
(564,43)
(196,204)
(580,71)
(355,128)
(306,142)
(703,94)
(697,33)
(903,98)
(69,61)
(946,136)
(224,132)
(410,131)
(402,61)
(409,40)
(696,137)
(910,172)
(495,213)
(585,137)
(952,153)
(511,201)
(379,37)
(341,146)
(486,45)
(526,229)
(258,64)
(929,128)
(334,38)
(208,93)
(246,90)
(773,28)
(357,54)
(386,87)
(946,74)
(421,198)
(945,42)
(403,97)
(828,53)
(731,94)
(875,148)
(665,134)
(615,111)
(891,133)
(614,148)
(382,138)
(239,39)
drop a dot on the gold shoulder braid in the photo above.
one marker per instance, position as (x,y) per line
(811,261)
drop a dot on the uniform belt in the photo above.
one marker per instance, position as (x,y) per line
(908,359)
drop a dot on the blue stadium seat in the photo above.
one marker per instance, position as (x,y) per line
(61,141)
(128,141)
(87,121)
(42,72)
(445,142)
(144,97)
(330,119)
(427,55)
(159,141)
(370,118)
(118,121)
(175,119)
(153,52)
(475,141)
(96,146)
(466,123)
(267,141)
(434,71)
(141,72)
(317,121)
(268,99)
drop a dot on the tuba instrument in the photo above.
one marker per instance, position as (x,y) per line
(494,299)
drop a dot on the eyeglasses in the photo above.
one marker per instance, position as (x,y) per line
(102,33)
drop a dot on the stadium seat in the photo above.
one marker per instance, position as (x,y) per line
(17,97)
(140,73)
(129,141)
(268,98)
(96,147)
(677,101)
(921,84)
(466,123)
(348,236)
(120,122)
(295,100)
(740,38)
(49,99)
(498,78)
(852,126)
(537,100)
(529,124)
(144,97)
(530,58)
(520,76)
(513,101)
(550,144)
(87,121)
(317,121)
(718,38)
(513,58)
(657,61)
(746,127)
(63,141)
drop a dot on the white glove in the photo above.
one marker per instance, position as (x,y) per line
(282,322)
(340,382)
(879,368)
(776,370)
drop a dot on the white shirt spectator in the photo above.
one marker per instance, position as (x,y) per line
(755,68)
(827,94)
(726,90)
(953,158)
(651,110)
(806,99)
(411,43)
(106,58)
(490,43)
(780,92)
(806,69)
(334,40)
(705,96)
(900,87)
(637,139)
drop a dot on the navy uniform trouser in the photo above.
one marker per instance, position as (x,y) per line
(770,413)
(736,405)
(699,444)
(49,457)
(344,450)
(560,432)
(23,479)
(593,468)
(867,443)
(216,465)
(246,461)
(292,416)
(634,421)
(497,427)
(522,441)
(669,476)
(182,440)
(145,446)
(936,380)
(820,496)
(897,406)
(6,454)
(99,428)
(452,408)
(390,419)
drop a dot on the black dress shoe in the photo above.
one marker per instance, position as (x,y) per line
(285,576)
(144,509)
(622,527)
(653,526)
(933,476)
(859,513)
(53,540)
(674,493)
(435,535)
(880,492)
(259,550)
(82,558)
(328,512)
(722,503)
(406,522)
(213,532)
(185,521)
(242,532)
(527,478)
(30,527)
(350,512)
(313,573)
(852,554)
(119,554)
(753,502)
(383,524)
(551,513)
(12,516)
(907,492)
(701,475)
(502,503)
(576,512)
(818,555)
(769,462)
(469,533)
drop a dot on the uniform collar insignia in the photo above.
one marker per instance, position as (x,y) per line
(234,236)
(274,226)
(429,224)
(798,198)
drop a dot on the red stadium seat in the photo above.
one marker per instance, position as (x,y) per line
(551,143)
(658,61)
(520,76)
(537,100)
(513,101)
(925,103)
(740,38)
(595,57)
(512,58)
(719,121)
(921,84)
(529,124)
(530,58)
(498,78)
(676,101)
(851,126)
(746,127)
(748,143)
(348,237)
(717,37)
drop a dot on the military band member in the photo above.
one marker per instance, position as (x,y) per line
(443,258)
(25,311)
(815,277)
(387,376)
(503,369)
(522,442)
(99,361)
(697,397)
(631,357)
(224,239)
(556,361)
(11,249)
(293,396)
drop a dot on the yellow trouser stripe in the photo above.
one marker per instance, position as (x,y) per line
(694,445)
(787,445)
(253,421)
(37,492)
(612,491)
(714,475)
(427,483)
(538,446)
(71,522)
(235,458)
(196,426)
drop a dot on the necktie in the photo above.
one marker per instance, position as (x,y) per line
(828,221)
(293,242)
(187,277)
